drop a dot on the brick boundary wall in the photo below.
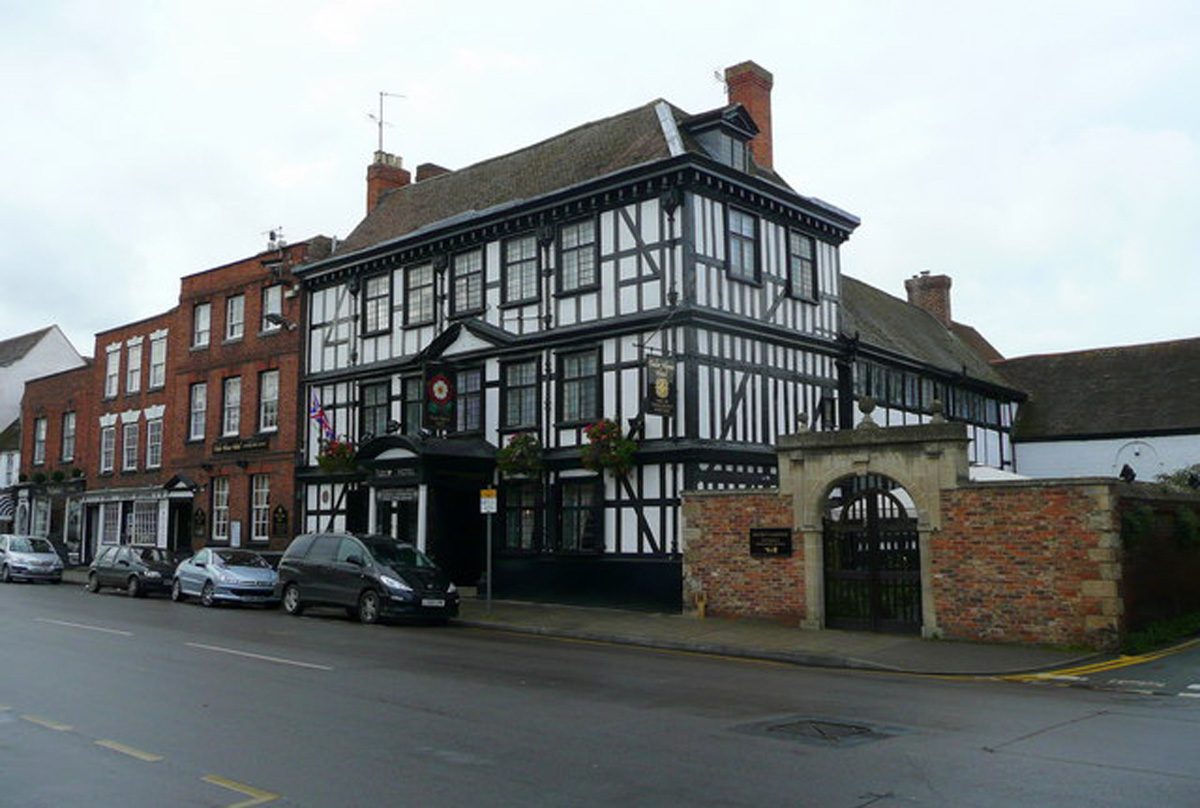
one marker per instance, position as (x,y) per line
(720,575)
(1029,562)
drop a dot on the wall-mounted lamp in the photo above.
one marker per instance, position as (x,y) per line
(280,320)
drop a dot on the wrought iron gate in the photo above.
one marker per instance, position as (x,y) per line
(872,559)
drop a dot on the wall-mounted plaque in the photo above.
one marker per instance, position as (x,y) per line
(770,541)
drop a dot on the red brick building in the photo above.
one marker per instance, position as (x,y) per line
(182,431)
(233,389)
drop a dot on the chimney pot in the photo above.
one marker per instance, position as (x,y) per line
(750,85)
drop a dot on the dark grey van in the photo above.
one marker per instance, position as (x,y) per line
(372,577)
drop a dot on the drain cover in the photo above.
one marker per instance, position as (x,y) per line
(825,731)
(819,731)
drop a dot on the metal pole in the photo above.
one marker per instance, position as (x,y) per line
(490,516)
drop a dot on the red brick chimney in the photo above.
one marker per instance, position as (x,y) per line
(427,171)
(385,174)
(932,293)
(750,85)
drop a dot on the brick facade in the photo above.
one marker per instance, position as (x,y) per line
(1038,561)
(721,577)
(1034,562)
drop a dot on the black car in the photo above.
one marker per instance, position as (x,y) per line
(371,576)
(137,570)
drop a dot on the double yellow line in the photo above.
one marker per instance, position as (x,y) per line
(1122,661)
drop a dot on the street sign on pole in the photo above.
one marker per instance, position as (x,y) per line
(487,500)
(487,505)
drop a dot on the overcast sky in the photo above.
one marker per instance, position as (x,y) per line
(1045,155)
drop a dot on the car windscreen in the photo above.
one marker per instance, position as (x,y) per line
(30,544)
(240,558)
(395,554)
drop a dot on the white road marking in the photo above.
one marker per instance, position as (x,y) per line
(83,626)
(264,658)
(1190,695)
(47,723)
(257,795)
(129,750)
(1137,683)
(1193,687)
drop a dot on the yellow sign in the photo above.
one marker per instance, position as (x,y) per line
(487,500)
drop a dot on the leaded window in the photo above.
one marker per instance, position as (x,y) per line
(579,523)
(579,386)
(376,409)
(470,400)
(467,273)
(418,295)
(377,304)
(413,391)
(520,393)
(802,265)
(520,269)
(521,516)
(577,256)
(743,245)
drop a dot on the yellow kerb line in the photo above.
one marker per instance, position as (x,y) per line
(257,795)
(1100,667)
(129,750)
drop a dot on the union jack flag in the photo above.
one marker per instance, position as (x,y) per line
(317,413)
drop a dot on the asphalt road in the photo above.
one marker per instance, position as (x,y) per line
(107,701)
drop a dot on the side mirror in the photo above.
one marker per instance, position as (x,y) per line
(356,560)
(201,564)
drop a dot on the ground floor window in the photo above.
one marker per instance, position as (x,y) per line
(579,523)
(41,517)
(110,523)
(521,516)
(220,509)
(260,507)
(144,523)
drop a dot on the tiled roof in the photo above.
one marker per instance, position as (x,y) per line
(587,152)
(10,438)
(895,325)
(1130,390)
(15,348)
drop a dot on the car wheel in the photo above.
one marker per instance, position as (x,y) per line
(133,587)
(291,600)
(206,594)
(5,575)
(177,592)
(93,583)
(368,607)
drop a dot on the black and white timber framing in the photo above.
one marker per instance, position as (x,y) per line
(694,259)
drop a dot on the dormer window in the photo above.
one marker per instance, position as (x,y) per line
(724,135)
(725,149)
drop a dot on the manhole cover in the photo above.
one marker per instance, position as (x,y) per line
(824,730)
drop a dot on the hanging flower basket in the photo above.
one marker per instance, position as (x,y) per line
(607,448)
(521,456)
(335,456)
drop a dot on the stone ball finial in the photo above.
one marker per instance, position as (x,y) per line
(938,410)
(866,405)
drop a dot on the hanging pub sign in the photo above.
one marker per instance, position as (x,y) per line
(439,398)
(660,386)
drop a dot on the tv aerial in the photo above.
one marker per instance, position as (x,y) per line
(378,119)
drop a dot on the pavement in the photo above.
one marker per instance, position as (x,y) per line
(756,639)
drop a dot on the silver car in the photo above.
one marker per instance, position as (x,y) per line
(217,575)
(29,558)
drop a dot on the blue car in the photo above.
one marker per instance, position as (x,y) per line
(219,575)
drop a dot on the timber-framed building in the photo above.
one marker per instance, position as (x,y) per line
(533,290)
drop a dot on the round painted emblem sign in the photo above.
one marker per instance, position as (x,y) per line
(439,389)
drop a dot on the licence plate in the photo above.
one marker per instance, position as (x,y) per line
(433,602)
